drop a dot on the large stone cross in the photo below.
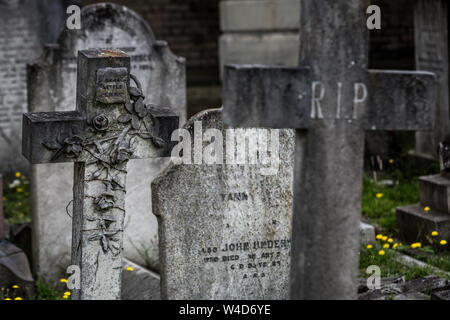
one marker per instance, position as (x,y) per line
(331,99)
(111,125)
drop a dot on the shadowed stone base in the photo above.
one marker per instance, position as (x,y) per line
(414,223)
(139,284)
(435,192)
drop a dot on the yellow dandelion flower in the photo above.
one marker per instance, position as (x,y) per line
(386,246)
(384,238)
(369,246)
(19,190)
(65,297)
(395,245)
(7,298)
(390,240)
(416,245)
(18,298)
(18,174)
(426,209)
(67,293)
(130,269)
(63,280)
(381,252)
(443,242)
(15,286)
(391,161)
(379,195)
(434,233)
(379,236)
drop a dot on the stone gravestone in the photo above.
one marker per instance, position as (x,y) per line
(416,224)
(431,51)
(110,126)
(23,32)
(331,99)
(225,228)
(51,84)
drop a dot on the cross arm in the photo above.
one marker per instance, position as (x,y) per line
(265,96)
(51,136)
(165,122)
(401,100)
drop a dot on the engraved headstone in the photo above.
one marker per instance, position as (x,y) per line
(431,51)
(51,84)
(225,226)
(24,30)
(331,99)
(110,126)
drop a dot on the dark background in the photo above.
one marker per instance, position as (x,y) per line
(192,29)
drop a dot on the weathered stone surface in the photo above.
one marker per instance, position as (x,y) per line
(398,289)
(425,285)
(344,101)
(431,54)
(389,286)
(15,270)
(225,229)
(24,28)
(260,48)
(139,283)
(414,223)
(259,15)
(435,192)
(366,233)
(51,82)
(117,126)
(441,295)
(2,217)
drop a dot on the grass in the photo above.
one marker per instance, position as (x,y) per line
(379,203)
(382,210)
(387,264)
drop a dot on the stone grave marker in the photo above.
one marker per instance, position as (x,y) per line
(224,228)
(23,32)
(331,99)
(111,125)
(51,84)
(414,222)
(431,54)
(2,214)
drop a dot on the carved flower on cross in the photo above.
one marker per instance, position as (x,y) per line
(73,146)
(100,122)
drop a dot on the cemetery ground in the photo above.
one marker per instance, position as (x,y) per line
(395,186)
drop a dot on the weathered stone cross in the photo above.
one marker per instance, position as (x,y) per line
(111,125)
(331,99)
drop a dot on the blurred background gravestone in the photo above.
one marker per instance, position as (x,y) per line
(25,26)
(52,85)
(431,54)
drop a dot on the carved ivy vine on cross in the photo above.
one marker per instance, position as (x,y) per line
(110,154)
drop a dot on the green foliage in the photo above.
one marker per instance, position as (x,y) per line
(46,291)
(16,197)
(388,266)
(382,210)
